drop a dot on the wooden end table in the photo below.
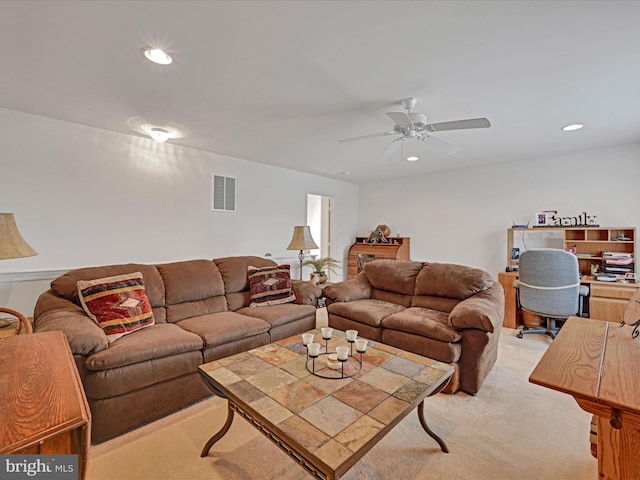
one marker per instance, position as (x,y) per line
(44,408)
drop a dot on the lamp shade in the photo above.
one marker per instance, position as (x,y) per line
(12,245)
(302,239)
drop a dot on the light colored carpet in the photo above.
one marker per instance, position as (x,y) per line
(511,430)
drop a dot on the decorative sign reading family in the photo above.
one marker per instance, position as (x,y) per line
(550,218)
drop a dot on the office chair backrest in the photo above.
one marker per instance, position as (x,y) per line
(549,282)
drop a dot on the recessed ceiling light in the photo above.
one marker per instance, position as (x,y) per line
(159,134)
(412,159)
(157,56)
(345,173)
(573,126)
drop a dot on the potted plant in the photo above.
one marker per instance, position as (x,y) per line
(320,266)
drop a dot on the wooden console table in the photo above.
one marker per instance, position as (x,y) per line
(44,408)
(595,362)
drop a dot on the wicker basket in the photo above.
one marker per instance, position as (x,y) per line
(531,319)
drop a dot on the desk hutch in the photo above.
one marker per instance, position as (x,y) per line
(607,300)
(589,242)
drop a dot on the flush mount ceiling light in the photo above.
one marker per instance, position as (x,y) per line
(157,56)
(159,134)
(412,159)
(573,126)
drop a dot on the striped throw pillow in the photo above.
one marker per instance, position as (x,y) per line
(118,304)
(270,285)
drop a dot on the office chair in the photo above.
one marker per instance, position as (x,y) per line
(549,285)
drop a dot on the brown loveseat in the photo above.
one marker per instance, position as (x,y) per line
(451,313)
(202,313)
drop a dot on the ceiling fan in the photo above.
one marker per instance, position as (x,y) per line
(412,125)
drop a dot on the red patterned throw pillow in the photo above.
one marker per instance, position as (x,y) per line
(270,285)
(118,304)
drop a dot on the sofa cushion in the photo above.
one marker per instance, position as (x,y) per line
(99,384)
(424,322)
(393,276)
(442,304)
(279,314)
(225,327)
(449,352)
(368,311)
(270,285)
(452,281)
(66,286)
(118,304)
(357,288)
(234,271)
(156,341)
(192,288)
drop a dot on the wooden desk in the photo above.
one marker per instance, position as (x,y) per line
(44,409)
(607,300)
(595,362)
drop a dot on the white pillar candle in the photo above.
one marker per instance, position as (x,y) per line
(352,335)
(342,352)
(307,338)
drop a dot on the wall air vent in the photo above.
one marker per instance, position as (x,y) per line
(224,193)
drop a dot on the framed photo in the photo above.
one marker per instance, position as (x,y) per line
(542,219)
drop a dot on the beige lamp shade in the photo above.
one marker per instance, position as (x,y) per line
(12,245)
(302,239)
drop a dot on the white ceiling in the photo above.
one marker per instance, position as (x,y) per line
(281,82)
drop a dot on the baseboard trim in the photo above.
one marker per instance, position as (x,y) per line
(32,275)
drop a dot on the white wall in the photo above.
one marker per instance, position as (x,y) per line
(85,196)
(462,216)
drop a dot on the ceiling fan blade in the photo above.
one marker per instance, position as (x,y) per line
(366,136)
(386,153)
(400,118)
(442,145)
(459,125)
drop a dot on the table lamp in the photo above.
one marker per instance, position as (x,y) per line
(302,240)
(12,245)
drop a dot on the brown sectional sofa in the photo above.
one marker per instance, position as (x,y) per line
(451,313)
(202,313)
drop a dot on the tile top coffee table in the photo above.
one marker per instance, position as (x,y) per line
(325,425)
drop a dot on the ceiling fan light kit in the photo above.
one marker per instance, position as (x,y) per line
(159,134)
(156,55)
(413,125)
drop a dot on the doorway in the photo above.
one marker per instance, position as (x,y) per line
(320,221)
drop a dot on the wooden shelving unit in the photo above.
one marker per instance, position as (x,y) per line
(589,242)
(398,248)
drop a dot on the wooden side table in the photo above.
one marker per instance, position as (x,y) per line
(44,408)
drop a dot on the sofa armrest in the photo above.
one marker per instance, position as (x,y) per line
(83,334)
(306,293)
(355,289)
(482,311)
